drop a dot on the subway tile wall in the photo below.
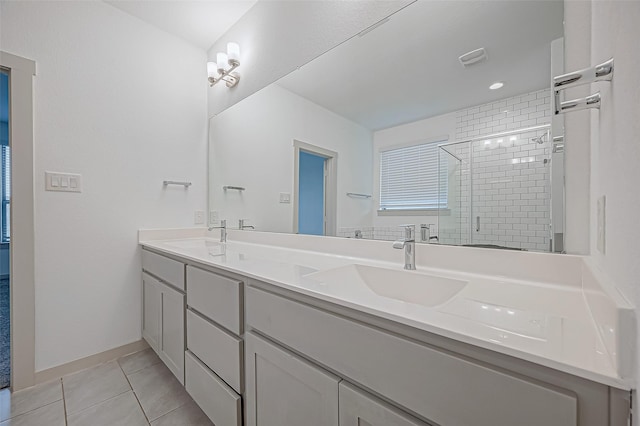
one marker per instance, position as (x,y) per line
(504,181)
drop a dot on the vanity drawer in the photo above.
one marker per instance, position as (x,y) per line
(216,348)
(435,384)
(216,297)
(168,270)
(218,401)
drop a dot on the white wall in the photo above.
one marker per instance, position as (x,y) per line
(123,104)
(615,147)
(278,36)
(251,145)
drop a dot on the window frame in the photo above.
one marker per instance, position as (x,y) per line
(413,210)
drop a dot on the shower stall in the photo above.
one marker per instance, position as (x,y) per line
(499,190)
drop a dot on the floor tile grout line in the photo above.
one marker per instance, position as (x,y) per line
(177,408)
(33,409)
(100,402)
(140,369)
(64,402)
(135,395)
(149,366)
(29,412)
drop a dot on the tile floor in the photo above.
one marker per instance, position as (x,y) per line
(137,389)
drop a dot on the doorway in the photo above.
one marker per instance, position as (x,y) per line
(315,190)
(311,192)
(19,221)
(5,194)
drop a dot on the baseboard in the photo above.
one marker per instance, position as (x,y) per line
(90,361)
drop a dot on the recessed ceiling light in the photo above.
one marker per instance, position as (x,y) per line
(496,85)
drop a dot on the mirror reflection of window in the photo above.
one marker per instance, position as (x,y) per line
(411,178)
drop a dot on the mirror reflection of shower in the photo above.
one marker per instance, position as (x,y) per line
(500,190)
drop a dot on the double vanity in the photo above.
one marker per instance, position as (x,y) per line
(286,330)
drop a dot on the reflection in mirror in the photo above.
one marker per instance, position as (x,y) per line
(392,128)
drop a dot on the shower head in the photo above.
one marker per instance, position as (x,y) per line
(539,139)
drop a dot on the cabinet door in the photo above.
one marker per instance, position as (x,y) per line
(285,390)
(172,342)
(151,296)
(358,408)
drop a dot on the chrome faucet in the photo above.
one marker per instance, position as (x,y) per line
(408,243)
(242,226)
(425,233)
(223,230)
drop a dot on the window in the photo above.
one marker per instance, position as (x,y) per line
(5,220)
(5,159)
(413,178)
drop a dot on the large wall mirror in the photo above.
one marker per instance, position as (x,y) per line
(439,116)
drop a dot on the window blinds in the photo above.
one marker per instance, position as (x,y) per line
(5,199)
(413,178)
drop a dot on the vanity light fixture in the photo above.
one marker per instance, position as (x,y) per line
(226,63)
(496,85)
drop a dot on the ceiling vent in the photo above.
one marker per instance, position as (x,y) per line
(473,57)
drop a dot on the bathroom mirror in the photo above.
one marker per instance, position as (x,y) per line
(399,125)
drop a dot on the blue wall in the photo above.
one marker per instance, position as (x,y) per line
(311,194)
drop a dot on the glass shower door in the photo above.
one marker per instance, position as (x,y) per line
(510,191)
(452,222)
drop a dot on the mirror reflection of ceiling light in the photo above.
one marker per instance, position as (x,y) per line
(496,85)
(226,63)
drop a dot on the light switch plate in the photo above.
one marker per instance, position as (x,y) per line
(601,237)
(285,197)
(62,182)
(198,217)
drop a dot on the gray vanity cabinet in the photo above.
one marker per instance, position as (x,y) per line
(425,381)
(215,347)
(163,323)
(151,296)
(357,408)
(285,390)
(163,305)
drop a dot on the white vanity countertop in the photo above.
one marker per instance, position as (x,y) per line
(545,323)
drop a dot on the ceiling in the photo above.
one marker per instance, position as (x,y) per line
(200,23)
(407,69)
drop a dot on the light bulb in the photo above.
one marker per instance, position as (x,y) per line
(233,53)
(223,63)
(212,70)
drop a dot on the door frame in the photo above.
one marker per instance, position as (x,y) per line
(22,246)
(330,187)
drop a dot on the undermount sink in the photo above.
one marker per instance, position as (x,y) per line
(412,287)
(194,243)
(214,248)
